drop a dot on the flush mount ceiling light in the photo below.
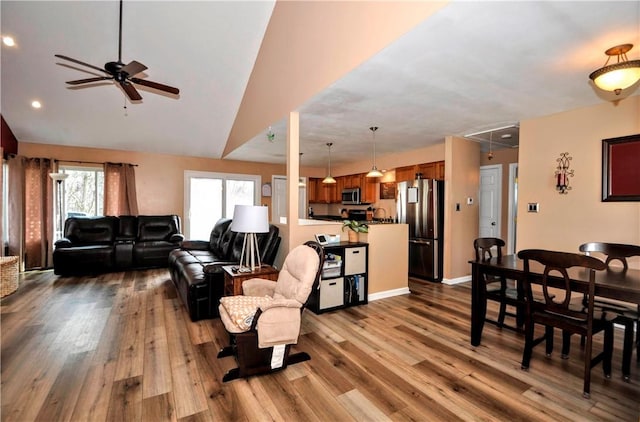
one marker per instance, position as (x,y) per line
(618,76)
(329,178)
(374,170)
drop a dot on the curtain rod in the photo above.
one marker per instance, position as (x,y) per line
(91,162)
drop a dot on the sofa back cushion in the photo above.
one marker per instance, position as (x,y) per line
(157,227)
(215,240)
(91,230)
(128,226)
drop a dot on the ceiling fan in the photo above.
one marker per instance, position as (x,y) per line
(121,73)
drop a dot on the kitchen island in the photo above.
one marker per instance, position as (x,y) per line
(388,252)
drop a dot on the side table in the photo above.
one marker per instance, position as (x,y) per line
(233,280)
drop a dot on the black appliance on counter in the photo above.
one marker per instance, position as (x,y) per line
(358,215)
(421,206)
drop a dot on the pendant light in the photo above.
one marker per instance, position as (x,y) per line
(329,179)
(620,75)
(490,155)
(374,170)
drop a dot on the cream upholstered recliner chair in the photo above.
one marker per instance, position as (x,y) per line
(264,321)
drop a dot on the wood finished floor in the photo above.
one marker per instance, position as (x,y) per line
(121,347)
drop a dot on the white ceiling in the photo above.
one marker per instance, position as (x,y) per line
(472,66)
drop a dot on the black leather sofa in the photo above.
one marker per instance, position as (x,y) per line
(94,245)
(196,268)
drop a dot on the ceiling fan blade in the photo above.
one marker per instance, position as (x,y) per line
(131,91)
(133,68)
(82,63)
(88,80)
(155,85)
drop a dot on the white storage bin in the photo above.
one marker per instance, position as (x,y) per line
(331,293)
(355,260)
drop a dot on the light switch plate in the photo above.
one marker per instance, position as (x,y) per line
(469,201)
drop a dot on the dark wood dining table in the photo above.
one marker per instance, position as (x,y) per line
(613,284)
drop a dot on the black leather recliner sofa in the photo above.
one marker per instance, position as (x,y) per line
(102,244)
(196,268)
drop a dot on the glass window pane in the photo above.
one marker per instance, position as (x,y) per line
(239,192)
(205,207)
(83,191)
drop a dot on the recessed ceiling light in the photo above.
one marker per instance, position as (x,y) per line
(36,104)
(8,41)
(506,136)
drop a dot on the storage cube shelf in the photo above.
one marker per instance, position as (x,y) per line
(344,280)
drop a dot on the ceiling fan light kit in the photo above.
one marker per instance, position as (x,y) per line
(121,73)
(618,76)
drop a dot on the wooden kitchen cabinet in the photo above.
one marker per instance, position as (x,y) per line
(439,170)
(428,170)
(405,173)
(434,170)
(312,189)
(369,189)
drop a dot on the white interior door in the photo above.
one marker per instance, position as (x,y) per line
(279,198)
(489,200)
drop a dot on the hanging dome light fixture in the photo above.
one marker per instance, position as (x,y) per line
(618,76)
(329,178)
(374,170)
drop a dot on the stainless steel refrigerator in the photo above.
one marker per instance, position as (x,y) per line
(421,206)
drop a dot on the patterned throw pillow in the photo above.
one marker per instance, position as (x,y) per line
(241,309)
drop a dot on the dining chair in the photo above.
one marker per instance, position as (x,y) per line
(563,313)
(627,314)
(498,288)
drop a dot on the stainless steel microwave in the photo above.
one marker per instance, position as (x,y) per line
(351,196)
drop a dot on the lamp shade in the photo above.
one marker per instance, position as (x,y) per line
(250,219)
(58,177)
(618,76)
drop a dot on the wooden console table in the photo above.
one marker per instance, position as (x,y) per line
(233,280)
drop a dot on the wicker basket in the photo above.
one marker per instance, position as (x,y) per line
(8,275)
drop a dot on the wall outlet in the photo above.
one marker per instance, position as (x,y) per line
(533,207)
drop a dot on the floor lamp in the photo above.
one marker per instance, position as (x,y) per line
(59,179)
(250,219)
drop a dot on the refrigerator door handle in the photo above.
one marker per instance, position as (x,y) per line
(420,242)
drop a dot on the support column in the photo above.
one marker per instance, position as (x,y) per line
(293,176)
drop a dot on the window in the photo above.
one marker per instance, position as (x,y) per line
(211,196)
(83,191)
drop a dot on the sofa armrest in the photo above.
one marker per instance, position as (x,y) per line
(216,267)
(63,243)
(258,287)
(198,245)
(176,238)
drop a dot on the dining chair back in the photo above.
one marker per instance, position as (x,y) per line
(498,288)
(628,314)
(561,312)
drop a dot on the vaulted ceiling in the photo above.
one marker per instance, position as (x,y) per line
(453,69)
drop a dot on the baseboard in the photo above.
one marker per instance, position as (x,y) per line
(388,293)
(458,280)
